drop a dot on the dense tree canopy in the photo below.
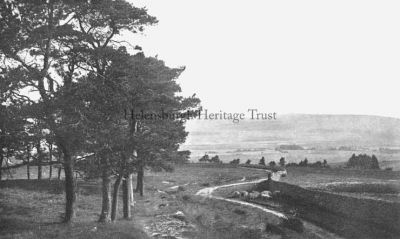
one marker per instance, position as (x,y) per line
(81,79)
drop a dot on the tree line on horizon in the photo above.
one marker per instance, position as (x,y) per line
(81,77)
(215,159)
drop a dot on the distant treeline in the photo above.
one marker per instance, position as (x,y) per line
(362,161)
(215,159)
(305,163)
(289,147)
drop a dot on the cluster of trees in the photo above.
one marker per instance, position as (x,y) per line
(282,162)
(305,163)
(81,77)
(363,161)
(235,161)
(206,159)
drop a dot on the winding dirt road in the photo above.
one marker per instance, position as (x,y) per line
(317,231)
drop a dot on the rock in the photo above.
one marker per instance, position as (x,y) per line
(266,194)
(254,195)
(236,194)
(180,216)
(175,189)
(156,234)
(244,194)
(168,237)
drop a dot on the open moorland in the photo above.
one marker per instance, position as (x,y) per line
(169,208)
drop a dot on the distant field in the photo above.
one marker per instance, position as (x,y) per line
(321,135)
(311,177)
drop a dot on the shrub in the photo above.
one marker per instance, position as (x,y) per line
(235,162)
(215,159)
(247,233)
(205,158)
(282,162)
(239,211)
(274,229)
(262,161)
(186,197)
(293,223)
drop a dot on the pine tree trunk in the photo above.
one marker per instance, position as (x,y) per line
(39,153)
(59,173)
(50,171)
(126,198)
(59,168)
(50,160)
(106,196)
(1,163)
(39,177)
(28,170)
(139,183)
(69,188)
(131,199)
(114,206)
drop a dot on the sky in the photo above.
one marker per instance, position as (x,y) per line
(316,57)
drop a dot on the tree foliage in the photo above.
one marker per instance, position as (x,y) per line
(262,161)
(363,161)
(83,78)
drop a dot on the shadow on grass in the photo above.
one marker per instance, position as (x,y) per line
(49,186)
(34,209)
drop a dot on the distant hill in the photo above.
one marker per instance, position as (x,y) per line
(297,129)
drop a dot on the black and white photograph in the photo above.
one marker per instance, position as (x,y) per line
(177,119)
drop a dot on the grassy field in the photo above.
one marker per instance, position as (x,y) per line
(33,209)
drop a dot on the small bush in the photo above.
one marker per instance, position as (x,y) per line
(293,223)
(274,229)
(186,197)
(239,211)
(250,233)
